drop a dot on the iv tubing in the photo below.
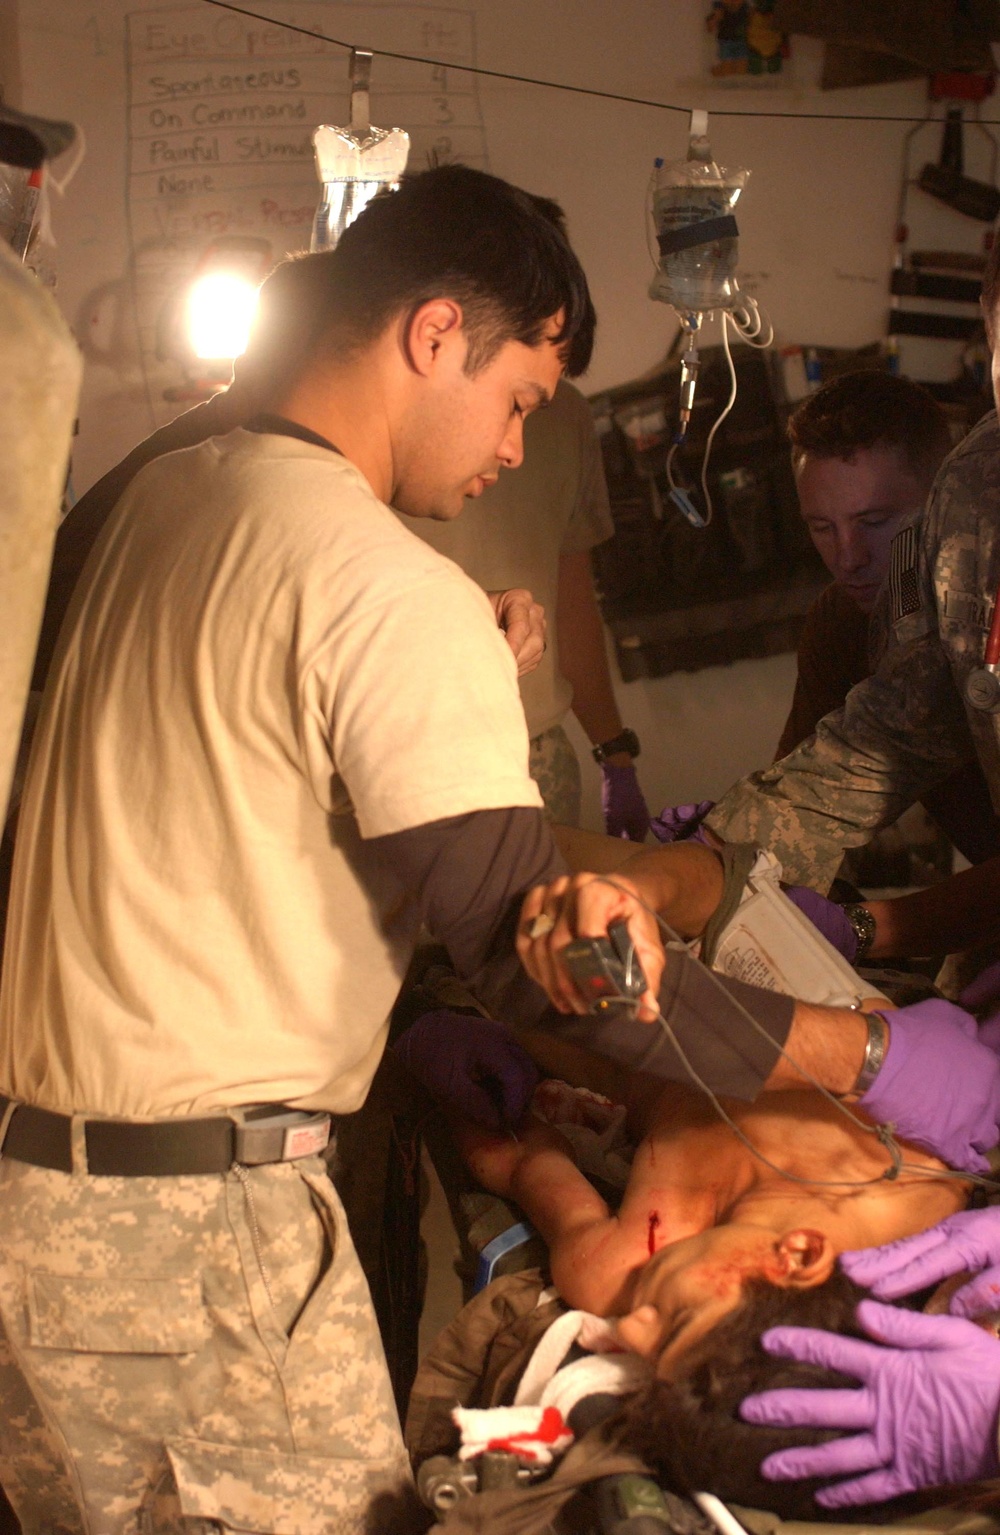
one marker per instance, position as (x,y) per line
(715,426)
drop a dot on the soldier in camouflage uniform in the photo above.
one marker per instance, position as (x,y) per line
(908,726)
(279,734)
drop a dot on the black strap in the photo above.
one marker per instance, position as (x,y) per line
(280,426)
(121,1148)
(172,1148)
(38,1137)
(722,228)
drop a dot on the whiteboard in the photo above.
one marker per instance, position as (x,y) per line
(197,121)
(220,117)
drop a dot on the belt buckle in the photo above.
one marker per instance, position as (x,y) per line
(286,1135)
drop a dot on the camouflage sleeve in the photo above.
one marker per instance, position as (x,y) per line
(899,733)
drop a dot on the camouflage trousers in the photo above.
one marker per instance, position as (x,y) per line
(180,1354)
(553,765)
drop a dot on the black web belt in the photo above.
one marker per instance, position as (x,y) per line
(124,1148)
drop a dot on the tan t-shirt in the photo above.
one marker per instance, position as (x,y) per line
(556,503)
(260,667)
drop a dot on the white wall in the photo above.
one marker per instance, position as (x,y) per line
(816,228)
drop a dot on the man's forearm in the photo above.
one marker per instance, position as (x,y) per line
(583,657)
(828,1043)
(683,881)
(860,771)
(955,914)
(715,1031)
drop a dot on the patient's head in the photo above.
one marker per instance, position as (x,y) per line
(688,1428)
(690,1286)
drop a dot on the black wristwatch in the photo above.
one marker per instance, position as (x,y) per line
(863,924)
(627,741)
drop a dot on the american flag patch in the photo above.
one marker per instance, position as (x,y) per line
(904,588)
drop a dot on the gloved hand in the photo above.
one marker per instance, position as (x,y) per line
(989,1033)
(968,1242)
(625,810)
(938,1085)
(827,917)
(983,990)
(471,1065)
(677,823)
(927,1406)
(979,994)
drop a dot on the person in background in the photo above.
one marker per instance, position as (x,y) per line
(536,529)
(910,725)
(865,451)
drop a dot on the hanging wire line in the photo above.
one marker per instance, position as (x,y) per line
(576,90)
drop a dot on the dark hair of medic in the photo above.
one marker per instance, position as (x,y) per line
(450,232)
(689,1431)
(869,409)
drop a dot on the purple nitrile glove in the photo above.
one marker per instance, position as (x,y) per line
(827,917)
(968,1242)
(470,1065)
(926,1408)
(979,994)
(625,811)
(938,1085)
(680,823)
(983,990)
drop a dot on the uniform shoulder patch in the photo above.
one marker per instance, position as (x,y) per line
(904,587)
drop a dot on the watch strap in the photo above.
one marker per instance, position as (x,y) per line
(863,924)
(625,741)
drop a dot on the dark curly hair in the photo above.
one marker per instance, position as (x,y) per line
(869,409)
(689,1432)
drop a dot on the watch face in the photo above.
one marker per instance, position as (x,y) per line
(627,741)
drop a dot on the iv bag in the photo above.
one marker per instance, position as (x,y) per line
(353,166)
(693,203)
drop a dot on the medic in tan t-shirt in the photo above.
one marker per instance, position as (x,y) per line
(279,733)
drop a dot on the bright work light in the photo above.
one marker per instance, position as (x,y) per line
(220,311)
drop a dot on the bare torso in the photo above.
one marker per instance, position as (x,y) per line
(691,1169)
(692,1172)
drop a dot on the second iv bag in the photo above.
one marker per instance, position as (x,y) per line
(691,203)
(696,232)
(354,163)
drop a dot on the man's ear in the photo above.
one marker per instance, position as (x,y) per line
(430,332)
(805,1258)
